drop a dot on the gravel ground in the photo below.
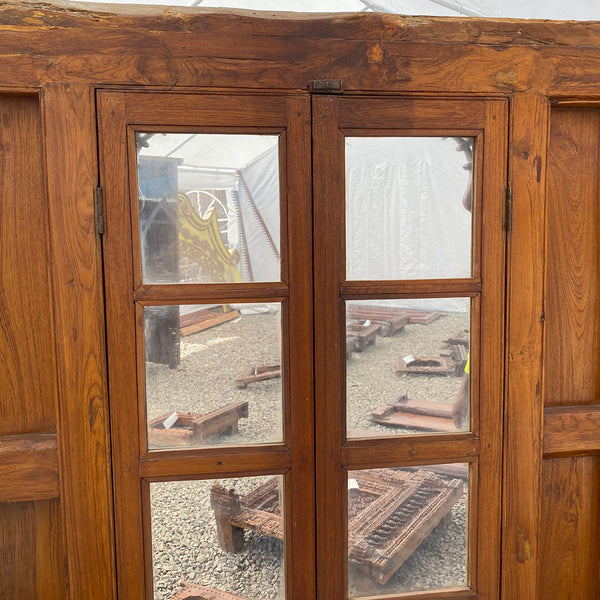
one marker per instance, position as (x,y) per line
(183,525)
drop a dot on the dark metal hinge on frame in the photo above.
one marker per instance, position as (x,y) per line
(508,208)
(99,209)
(327,86)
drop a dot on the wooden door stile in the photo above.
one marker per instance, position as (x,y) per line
(86,495)
(328,183)
(523,433)
(121,331)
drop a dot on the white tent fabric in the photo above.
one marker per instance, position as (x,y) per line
(405,217)
(404,213)
(259,202)
(582,10)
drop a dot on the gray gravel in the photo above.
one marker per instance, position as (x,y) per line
(183,526)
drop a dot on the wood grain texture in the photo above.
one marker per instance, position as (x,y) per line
(523,402)
(329,253)
(571,366)
(410,451)
(82,406)
(226,462)
(570,553)
(571,430)
(28,468)
(32,552)
(126,424)
(223,293)
(216,48)
(433,288)
(27,363)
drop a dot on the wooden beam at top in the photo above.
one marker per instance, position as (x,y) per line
(178,48)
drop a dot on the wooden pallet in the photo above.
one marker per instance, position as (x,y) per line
(258,373)
(192,591)
(363,335)
(390,324)
(458,353)
(429,365)
(205,319)
(461,337)
(193,428)
(384,313)
(416,414)
(390,512)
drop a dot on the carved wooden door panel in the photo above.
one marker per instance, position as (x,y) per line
(237,472)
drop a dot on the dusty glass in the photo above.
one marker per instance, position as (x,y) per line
(213,375)
(204,534)
(407,529)
(407,366)
(408,207)
(209,207)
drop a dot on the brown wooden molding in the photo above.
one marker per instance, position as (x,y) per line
(28,467)
(571,430)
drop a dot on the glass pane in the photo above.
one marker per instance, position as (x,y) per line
(208,207)
(407,529)
(224,535)
(408,208)
(213,374)
(407,366)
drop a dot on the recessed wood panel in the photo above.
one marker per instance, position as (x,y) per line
(32,566)
(570,553)
(27,367)
(569,525)
(571,370)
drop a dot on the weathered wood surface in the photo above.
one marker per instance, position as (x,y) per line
(190,324)
(391,512)
(417,414)
(194,428)
(569,549)
(570,525)
(27,363)
(523,404)
(258,373)
(31,551)
(571,365)
(571,430)
(83,446)
(208,47)
(28,468)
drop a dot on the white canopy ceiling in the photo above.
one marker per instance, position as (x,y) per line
(581,10)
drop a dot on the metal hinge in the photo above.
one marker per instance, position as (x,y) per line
(99,209)
(508,206)
(327,86)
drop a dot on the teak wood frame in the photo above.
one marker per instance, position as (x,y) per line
(57,57)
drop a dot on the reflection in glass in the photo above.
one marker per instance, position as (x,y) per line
(205,533)
(407,529)
(408,207)
(213,375)
(407,366)
(208,207)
